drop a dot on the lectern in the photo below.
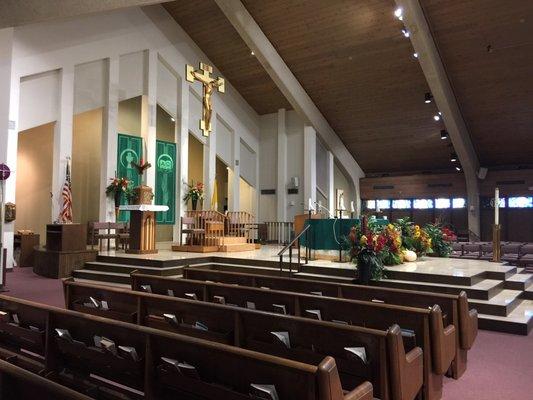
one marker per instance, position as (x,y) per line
(142,227)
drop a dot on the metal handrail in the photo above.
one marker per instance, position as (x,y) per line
(289,247)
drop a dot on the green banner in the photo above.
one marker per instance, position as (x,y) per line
(129,151)
(165,181)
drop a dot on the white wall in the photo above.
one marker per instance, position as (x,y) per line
(118,53)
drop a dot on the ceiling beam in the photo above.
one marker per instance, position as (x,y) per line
(23,12)
(280,73)
(444,97)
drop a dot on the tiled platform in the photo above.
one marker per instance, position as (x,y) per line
(502,294)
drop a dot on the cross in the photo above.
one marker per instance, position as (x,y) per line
(203,74)
(4,172)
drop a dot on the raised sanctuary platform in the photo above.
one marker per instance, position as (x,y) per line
(502,294)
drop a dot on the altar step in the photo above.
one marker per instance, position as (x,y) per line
(224,244)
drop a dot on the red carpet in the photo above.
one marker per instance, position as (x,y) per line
(500,366)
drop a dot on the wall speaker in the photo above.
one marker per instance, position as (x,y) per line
(295,182)
(482,173)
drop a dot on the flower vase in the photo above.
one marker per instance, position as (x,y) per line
(118,198)
(363,269)
(194,203)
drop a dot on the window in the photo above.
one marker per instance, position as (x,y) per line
(422,204)
(383,204)
(371,204)
(459,202)
(520,202)
(401,204)
(442,203)
(502,202)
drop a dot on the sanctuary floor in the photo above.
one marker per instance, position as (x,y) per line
(499,365)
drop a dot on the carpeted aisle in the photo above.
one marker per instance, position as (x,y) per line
(500,366)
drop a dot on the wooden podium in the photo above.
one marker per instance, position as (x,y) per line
(142,227)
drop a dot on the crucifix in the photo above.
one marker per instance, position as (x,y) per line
(203,74)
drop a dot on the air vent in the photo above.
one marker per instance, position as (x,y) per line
(293,191)
(511,182)
(268,191)
(382,187)
(436,185)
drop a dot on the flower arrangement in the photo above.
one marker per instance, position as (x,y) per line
(117,185)
(194,193)
(441,239)
(366,247)
(414,238)
(391,254)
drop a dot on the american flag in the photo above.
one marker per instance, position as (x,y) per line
(65,215)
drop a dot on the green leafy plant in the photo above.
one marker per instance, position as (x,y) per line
(441,239)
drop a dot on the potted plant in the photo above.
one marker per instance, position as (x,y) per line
(366,249)
(117,188)
(194,193)
(441,239)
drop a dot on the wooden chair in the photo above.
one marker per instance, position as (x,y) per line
(98,235)
(191,230)
(122,230)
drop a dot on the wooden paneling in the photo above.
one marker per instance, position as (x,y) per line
(487,49)
(352,59)
(510,183)
(205,23)
(408,186)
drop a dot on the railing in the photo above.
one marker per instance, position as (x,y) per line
(208,227)
(289,247)
(241,224)
(279,232)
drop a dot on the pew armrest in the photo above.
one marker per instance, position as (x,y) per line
(362,392)
(443,342)
(468,323)
(329,382)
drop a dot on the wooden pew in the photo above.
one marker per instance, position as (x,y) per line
(438,343)
(454,307)
(17,383)
(220,371)
(311,341)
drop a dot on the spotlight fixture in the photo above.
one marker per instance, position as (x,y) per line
(406,33)
(172,119)
(453,157)
(252,53)
(398,13)
(436,117)
(428,97)
(443,134)
(458,169)
(415,55)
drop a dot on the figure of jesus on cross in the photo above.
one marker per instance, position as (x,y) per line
(209,84)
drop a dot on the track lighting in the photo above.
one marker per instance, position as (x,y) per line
(453,157)
(406,33)
(428,97)
(398,13)
(415,55)
(458,169)
(252,53)
(436,117)
(172,119)
(443,134)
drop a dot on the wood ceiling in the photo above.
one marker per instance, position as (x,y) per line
(487,48)
(353,61)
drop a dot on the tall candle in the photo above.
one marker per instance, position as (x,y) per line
(497,206)
(352,206)
(342,204)
(310,204)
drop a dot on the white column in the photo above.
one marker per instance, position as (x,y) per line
(150,135)
(8,136)
(309,164)
(109,139)
(281,189)
(182,139)
(234,201)
(210,154)
(62,136)
(331,182)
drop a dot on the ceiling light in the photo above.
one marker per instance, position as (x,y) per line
(415,55)
(406,32)
(428,97)
(443,134)
(172,119)
(440,113)
(458,169)
(436,117)
(453,157)
(252,53)
(398,13)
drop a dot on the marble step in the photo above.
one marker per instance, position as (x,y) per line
(501,304)
(518,322)
(234,247)
(483,290)
(102,276)
(441,278)
(521,281)
(128,268)
(528,293)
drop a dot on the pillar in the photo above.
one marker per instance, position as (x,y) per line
(309,164)
(281,189)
